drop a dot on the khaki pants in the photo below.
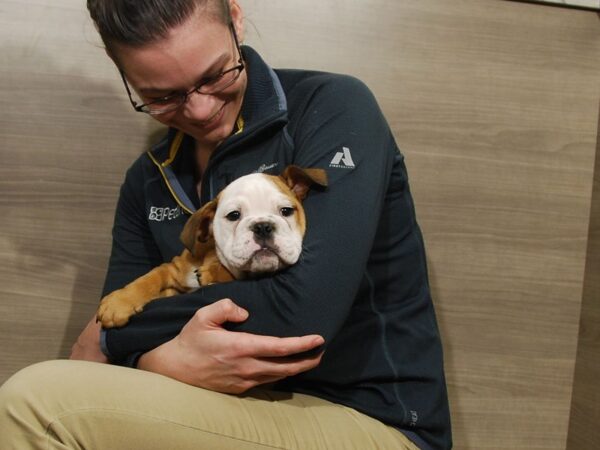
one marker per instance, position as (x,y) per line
(82,405)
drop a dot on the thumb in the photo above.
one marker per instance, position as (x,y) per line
(220,312)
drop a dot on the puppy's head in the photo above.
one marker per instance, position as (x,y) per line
(257,222)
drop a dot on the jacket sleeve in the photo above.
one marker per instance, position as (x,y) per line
(343,131)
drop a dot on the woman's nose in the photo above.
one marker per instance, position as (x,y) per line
(200,107)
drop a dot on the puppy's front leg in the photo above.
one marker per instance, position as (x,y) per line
(174,277)
(116,308)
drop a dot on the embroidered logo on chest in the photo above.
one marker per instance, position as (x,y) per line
(159,214)
(265,167)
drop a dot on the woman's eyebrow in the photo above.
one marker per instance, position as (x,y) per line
(148,90)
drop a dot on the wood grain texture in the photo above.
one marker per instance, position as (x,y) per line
(66,137)
(494,104)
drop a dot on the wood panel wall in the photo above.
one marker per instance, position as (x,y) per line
(495,105)
(66,138)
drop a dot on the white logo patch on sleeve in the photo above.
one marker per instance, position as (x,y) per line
(343,160)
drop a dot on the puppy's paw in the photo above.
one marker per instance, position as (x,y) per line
(115,310)
(205,276)
(198,277)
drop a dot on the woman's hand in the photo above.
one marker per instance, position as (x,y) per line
(87,346)
(206,355)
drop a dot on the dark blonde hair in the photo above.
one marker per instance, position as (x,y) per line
(139,22)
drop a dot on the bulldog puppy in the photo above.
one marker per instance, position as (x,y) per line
(254,226)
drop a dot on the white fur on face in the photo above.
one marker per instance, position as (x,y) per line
(257,200)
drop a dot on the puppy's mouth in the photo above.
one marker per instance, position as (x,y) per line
(266,251)
(264,259)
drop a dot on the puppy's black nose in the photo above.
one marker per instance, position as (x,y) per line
(263,230)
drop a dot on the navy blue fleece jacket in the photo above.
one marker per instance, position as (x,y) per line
(362,280)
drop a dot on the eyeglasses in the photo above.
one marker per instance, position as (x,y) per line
(208,86)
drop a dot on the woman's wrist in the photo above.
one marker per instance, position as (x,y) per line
(160,360)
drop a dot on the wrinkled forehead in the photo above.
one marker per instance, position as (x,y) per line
(257,191)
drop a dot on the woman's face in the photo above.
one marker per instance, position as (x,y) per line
(199,48)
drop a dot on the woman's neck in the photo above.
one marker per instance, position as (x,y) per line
(202,153)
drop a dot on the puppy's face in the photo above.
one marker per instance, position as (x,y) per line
(257,222)
(258,225)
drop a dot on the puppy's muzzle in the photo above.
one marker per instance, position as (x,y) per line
(263,230)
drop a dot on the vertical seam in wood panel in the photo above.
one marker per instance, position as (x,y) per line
(594,222)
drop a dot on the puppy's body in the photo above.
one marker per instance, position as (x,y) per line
(255,225)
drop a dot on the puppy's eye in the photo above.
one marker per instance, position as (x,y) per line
(233,216)
(286,211)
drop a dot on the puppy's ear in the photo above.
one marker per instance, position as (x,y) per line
(300,180)
(198,228)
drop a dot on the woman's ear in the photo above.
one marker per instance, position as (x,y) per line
(237,17)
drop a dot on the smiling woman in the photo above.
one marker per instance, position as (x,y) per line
(323,334)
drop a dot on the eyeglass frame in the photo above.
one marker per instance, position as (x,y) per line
(240,67)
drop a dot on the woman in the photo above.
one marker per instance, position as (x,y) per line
(347,336)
